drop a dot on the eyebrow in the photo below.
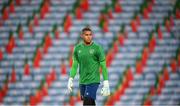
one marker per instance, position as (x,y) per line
(89,34)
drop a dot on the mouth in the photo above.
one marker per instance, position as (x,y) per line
(88,41)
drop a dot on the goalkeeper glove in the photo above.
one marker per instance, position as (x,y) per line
(105,91)
(70,84)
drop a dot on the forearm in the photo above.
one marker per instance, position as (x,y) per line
(104,70)
(74,69)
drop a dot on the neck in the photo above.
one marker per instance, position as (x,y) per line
(88,43)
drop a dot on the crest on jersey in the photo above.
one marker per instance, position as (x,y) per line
(91,51)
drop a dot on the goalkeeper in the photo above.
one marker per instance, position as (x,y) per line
(89,56)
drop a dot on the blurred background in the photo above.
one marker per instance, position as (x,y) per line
(141,39)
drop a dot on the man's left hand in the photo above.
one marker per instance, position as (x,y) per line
(105,91)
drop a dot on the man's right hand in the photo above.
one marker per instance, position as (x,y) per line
(70,84)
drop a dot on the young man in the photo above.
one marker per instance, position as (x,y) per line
(89,56)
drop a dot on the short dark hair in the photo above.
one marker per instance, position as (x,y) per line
(86,29)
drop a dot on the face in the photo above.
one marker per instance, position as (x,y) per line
(87,37)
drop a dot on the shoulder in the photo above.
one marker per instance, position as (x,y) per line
(97,46)
(77,46)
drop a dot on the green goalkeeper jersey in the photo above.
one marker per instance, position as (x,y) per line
(89,58)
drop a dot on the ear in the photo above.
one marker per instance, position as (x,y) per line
(81,35)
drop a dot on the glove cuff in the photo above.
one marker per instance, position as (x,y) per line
(106,83)
(70,78)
